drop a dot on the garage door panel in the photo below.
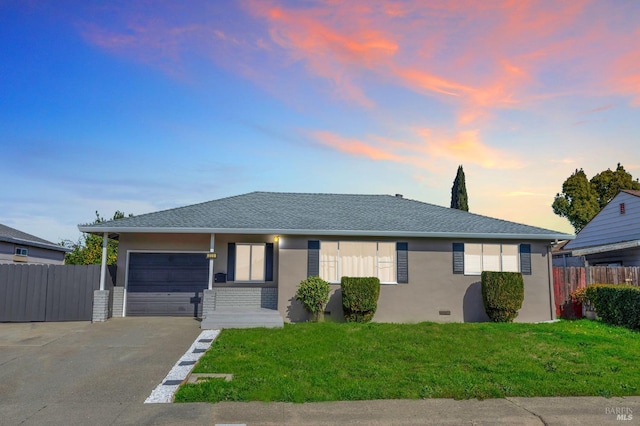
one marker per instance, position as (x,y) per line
(164,304)
(166,284)
(185,279)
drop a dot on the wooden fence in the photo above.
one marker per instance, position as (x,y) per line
(566,280)
(49,292)
(614,275)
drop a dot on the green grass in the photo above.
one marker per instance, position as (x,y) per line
(332,362)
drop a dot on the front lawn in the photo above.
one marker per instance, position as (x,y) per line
(331,362)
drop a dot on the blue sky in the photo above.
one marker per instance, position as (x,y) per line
(142,106)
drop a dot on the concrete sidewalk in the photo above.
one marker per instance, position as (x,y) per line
(512,411)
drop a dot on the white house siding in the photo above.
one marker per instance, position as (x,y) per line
(609,226)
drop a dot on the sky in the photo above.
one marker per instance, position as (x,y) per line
(140,106)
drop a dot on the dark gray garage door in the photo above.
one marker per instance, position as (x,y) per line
(166,284)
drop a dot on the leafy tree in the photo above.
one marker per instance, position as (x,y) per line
(607,184)
(459,199)
(581,199)
(88,249)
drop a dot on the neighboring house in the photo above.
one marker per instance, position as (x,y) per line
(428,258)
(563,257)
(612,237)
(20,247)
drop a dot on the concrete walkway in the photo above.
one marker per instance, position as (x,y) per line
(100,374)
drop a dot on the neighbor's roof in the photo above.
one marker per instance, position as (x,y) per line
(631,191)
(323,214)
(12,235)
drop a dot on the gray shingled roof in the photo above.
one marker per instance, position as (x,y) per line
(323,214)
(12,235)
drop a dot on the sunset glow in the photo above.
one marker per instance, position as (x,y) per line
(141,106)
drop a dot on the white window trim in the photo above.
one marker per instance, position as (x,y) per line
(339,266)
(264,264)
(22,251)
(482,257)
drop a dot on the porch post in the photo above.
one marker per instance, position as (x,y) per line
(211,250)
(209,295)
(552,297)
(103,269)
(101,297)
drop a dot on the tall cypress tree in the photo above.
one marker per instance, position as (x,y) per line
(459,199)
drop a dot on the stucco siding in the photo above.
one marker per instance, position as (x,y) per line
(189,243)
(433,293)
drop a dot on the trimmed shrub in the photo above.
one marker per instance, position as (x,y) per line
(359,298)
(314,295)
(502,295)
(616,304)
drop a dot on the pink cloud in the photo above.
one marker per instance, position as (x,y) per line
(467,147)
(427,150)
(327,49)
(474,58)
(626,73)
(356,147)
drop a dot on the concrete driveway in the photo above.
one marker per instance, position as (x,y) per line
(84,373)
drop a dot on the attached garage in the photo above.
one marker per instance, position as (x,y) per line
(166,284)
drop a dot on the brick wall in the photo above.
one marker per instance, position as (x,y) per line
(100,305)
(118,301)
(256,297)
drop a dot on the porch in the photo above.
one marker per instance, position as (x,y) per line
(241,307)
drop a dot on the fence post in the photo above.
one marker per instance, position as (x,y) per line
(587,272)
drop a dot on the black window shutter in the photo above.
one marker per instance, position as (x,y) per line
(268,258)
(402,262)
(313,258)
(231,262)
(525,259)
(458,258)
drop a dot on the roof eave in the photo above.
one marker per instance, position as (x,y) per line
(319,232)
(35,244)
(603,248)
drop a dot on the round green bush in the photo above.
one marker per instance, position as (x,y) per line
(502,295)
(359,298)
(314,295)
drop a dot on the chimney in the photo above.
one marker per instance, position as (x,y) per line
(399,195)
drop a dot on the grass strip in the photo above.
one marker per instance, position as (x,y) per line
(346,362)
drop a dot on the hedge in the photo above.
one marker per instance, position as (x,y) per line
(359,298)
(502,295)
(314,295)
(616,304)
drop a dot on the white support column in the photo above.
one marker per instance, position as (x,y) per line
(103,269)
(101,297)
(211,250)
